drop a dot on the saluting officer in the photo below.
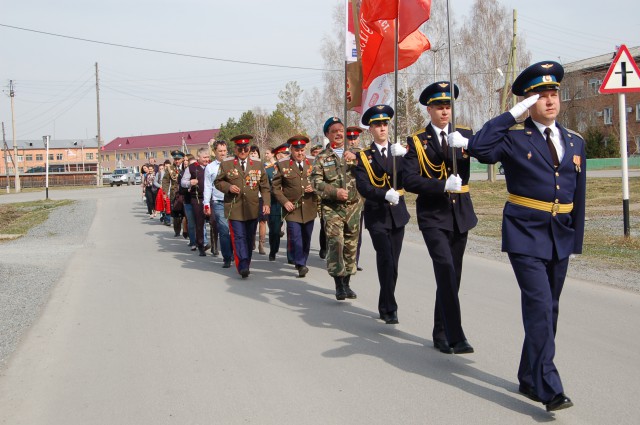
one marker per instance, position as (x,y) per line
(292,189)
(543,219)
(385,212)
(444,210)
(334,182)
(240,179)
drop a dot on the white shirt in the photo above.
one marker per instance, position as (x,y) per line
(379,146)
(555,137)
(440,130)
(210,191)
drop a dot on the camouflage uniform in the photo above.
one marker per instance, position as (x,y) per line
(342,218)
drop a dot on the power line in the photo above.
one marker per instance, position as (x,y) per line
(166,52)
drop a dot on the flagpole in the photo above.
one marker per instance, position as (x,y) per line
(345,96)
(395,97)
(452,88)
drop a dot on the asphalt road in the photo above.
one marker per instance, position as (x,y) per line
(139,330)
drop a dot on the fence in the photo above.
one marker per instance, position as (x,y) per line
(592,164)
(37,180)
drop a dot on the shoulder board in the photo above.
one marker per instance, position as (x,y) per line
(575,133)
(366,149)
(518,126)
(462,127)
(229,159)
(418,132)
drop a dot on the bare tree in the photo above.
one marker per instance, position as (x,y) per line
(291,104)
(261,125)
(486,41)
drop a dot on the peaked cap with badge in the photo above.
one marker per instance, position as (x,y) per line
(377,113)
(298,141)
(538,77)
(438,93)
(242,139)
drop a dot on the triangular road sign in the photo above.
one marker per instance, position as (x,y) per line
(623,75)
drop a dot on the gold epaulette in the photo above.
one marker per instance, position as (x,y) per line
(419,132)
(575,133)
(460,127)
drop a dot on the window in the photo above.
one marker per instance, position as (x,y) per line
(637,152)
(564,94)
(608,115)
(154,154)
(146,155)
(58,157)
(136,155)
(89,155)
(129,156)
(39,157)
(50,157)
(28,158)
(19,158)
(594,85)
(637,111)
(108,157)
(165,154)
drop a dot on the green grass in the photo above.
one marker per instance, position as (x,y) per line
(604,243)
(18,218)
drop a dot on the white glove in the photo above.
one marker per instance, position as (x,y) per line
(457,140)
(453,184)
(523,106)
(392,196)
(397,149)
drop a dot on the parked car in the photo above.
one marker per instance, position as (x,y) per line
(501,169)
(106,178)
(138,179)
(122,176)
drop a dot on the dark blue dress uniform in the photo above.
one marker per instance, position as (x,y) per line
(543,224)
(384,221)
(444,218)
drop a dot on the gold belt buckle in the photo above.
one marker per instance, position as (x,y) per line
(555,208)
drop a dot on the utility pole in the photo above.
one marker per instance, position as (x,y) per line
(6,153)
(12,94)
(510,76)
(99,183)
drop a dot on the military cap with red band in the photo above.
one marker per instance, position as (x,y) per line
(353,131)
(298,141)
(242,139)
(283,148)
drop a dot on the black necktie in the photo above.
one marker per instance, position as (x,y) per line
(445,145)
(384,152)
(242,165)
(552,148)
(300,166)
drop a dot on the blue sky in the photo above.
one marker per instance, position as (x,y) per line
(146,93)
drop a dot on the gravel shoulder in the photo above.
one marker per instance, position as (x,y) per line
(32,265)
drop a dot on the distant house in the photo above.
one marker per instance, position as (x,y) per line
(584,107)
(134,151)
(71,155)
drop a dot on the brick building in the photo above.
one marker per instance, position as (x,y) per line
(64,155)
(583,107)
(134,151)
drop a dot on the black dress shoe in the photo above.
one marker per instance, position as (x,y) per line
(272,257)
(390,318)
(201,252)
(215,253)
(244,273)
(185,235)
(529,393)
(226,264)
(323,254)
(442,345)
(559,402)
(302,271)
(358,268)
(462,347)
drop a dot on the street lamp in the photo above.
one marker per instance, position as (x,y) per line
(46,139)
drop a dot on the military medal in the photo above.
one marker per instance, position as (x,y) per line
(576,161)
(529,155)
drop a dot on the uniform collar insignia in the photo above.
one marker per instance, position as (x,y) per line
(528,132)
(529,155)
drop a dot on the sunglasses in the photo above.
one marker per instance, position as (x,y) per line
(242,148)
(352,137)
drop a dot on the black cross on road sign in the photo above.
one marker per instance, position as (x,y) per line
(624,72)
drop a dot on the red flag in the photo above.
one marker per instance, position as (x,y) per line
(413,13)
(377,46)
(376,10)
